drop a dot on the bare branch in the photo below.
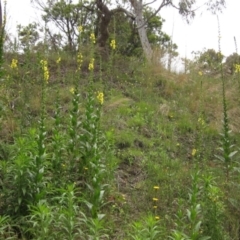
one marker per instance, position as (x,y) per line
(120,9)
(144,5)
(163,4)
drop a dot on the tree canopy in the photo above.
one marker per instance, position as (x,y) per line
(99,14)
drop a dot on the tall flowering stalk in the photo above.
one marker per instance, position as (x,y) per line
(79,61)
(14,64)
(44,65)
(75,123)
(41,138)
(92,59)
(92,164)
(155,201)
(57,163)
(226,144)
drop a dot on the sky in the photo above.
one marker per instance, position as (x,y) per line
(201,33)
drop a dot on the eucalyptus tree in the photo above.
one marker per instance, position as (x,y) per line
(186,8)
(135,10)
(210,60)
(66,15)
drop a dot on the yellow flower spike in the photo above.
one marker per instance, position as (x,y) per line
(80,29)
(157,217)
(92,38)
(237,68)
(194,151)
(91,64)
(72,90)
(201,121)
(155,199)
(79,60)
(14,64)
(113,44)
(44,66)
(58,60)
(100,97)
(156,187)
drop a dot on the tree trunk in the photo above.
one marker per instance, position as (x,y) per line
(105,16)
(138,10)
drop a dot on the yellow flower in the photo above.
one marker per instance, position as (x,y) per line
(80,29)
(200,73)
(92,38)
(201,121)
(155,207)
(156,187)
(178,144)
(194,152)
(58,60)
(113,44)
(72,90)
(157,217)
(100,97)
(155,199)
(91,64)
(45,70)
(237,68)
(14,64)
(79,60)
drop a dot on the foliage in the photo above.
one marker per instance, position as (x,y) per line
(28,36)
(231,61)
(209,61)
(67,17)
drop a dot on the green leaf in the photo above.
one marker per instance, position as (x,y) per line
(89,205)
(24,191)
(232,154)
(197,226)
(220,158)
(101,216)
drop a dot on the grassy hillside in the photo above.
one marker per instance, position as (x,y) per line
(116,149)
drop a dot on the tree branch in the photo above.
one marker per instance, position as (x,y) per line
(164,3)
(186,12)
(120,9)
(144,5)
